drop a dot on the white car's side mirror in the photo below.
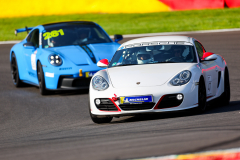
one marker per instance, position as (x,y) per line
(103,63)
(209,56)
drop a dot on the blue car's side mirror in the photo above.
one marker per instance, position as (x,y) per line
(117,37)
(29,45)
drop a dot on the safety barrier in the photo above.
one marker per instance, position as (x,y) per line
(20,8)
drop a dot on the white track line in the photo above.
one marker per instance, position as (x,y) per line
(9,42)
(154,34)
(173,33)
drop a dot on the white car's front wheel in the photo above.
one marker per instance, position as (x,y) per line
(99,120)
(202,98)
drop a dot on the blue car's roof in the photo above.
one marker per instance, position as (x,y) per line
(59,24)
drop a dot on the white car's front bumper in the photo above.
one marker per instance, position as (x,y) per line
(189,91)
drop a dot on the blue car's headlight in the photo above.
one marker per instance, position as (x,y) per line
(99,83)
(55,60)
(181,79)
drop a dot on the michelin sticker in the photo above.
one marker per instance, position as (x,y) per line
(136,100)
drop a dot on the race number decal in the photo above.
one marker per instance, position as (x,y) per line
(54,33)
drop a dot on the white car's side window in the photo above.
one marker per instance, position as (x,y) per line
(199,49)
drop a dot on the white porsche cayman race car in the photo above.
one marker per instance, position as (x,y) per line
(158,74)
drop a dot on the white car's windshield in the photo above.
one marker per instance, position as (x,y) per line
(154,54)
(73,35)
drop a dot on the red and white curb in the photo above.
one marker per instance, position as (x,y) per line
(228,154)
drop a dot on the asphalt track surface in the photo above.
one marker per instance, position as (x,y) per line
(58,126)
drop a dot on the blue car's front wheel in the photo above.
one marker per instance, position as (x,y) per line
(41,80)
(14,71)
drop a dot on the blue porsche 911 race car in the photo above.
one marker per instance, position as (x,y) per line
(60,56)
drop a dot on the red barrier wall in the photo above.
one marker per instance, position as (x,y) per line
(232,3)
(194,4)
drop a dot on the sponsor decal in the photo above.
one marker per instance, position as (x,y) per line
(47,74)
(89,74)
(33,61)
(135,100)
(67,68)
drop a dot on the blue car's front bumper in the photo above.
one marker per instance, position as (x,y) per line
(69,78)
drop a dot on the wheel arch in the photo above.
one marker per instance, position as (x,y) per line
(11,52)
(37,66)
(226,70)
(202,78)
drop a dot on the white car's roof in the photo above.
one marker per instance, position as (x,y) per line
(159,38)
(156,39)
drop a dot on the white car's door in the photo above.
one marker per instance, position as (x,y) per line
(210,72)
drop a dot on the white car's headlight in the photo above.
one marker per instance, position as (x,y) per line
(99,83)
(181,79)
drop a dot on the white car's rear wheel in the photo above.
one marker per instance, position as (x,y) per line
(226,94)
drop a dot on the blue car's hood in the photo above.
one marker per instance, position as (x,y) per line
(87,54)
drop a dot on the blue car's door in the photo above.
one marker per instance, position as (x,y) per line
(30,50)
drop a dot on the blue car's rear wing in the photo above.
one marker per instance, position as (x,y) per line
(23,30)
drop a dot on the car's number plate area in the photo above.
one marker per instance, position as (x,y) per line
(89,74)
(136,99)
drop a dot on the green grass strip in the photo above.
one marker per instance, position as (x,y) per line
(134,23)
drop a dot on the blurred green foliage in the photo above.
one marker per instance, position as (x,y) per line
(134,23)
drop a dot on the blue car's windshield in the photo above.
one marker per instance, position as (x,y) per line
(73,35)
(154,54)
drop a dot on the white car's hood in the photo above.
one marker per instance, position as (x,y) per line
(147,75)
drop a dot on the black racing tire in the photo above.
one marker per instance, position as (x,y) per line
(202,96)
(14,71)
(41,80)
(226,93)
(99,120)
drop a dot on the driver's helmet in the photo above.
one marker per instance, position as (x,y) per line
(53,42)
(177,50)
(143,57)
(84,33)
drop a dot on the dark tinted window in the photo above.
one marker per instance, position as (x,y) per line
(34,37)
(200,49)
(73,34)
